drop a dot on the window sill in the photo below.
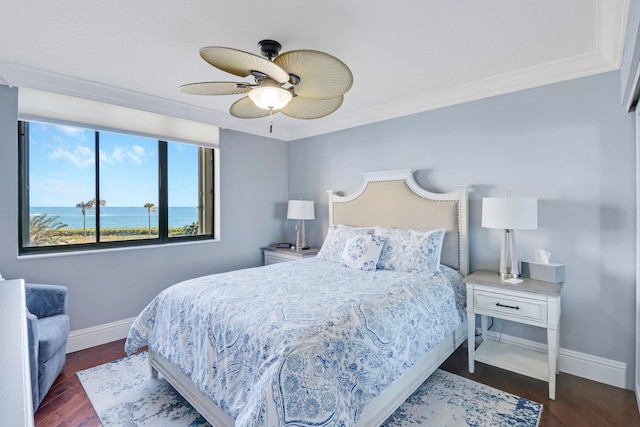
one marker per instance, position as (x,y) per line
(106,250)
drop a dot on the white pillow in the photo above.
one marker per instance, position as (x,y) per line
(410,251)
(362,252)
(337,236)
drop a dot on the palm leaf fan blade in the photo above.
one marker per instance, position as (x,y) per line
(322,76)
(306,108)
(242,63)
(215,88)
(244,108)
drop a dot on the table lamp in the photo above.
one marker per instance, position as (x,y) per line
(509,214)
(300,210)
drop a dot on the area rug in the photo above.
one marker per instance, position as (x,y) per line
(124,394)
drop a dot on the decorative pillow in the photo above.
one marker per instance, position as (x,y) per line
(337,236)
(410,251)
(362,252)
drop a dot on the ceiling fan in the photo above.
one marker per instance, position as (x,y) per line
(303,84)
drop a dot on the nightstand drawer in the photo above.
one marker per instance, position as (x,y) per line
(501,305)
(273,255)
(270,258)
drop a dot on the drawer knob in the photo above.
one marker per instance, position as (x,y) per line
(515,307)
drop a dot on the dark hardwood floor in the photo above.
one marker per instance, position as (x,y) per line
(579,402)
(66,404)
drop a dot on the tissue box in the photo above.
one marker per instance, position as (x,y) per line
(546,272)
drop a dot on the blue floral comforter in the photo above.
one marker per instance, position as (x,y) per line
(304,343)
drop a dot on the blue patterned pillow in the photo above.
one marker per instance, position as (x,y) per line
(337,236)
(410,251)
(362,252)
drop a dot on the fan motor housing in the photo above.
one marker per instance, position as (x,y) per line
(269,48)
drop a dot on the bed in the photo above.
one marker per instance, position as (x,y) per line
(314,342)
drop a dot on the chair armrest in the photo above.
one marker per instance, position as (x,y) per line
(46,300)
(34,346)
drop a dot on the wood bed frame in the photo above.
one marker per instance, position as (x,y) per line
(392,199)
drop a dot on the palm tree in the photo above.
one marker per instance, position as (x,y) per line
(91,204)
(42,229)
(150,208)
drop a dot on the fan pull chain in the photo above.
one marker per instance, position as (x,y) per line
(270,120)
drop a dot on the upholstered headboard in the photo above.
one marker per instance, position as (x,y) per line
(394,199)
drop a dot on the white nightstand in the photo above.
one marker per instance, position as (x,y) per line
(532,302)
(273,255)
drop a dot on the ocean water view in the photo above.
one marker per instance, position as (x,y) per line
(117,216)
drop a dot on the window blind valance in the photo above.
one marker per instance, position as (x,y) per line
(35,105)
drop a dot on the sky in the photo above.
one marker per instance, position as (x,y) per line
(62,168)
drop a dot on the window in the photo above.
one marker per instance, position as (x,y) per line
(88,189)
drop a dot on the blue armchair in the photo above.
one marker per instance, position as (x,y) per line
(48,329)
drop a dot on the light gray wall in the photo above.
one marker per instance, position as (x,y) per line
(111,286)
(569,144)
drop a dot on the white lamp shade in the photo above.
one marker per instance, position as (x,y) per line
(301,209)
(269,97)
(506,213)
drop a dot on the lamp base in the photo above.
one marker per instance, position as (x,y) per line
(301,236)
(509,256)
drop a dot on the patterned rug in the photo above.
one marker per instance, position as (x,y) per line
(124,394)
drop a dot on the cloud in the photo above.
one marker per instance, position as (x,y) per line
(70,131)
(46,191)
(80,156)
(83,157)
(134,155)
(138,150)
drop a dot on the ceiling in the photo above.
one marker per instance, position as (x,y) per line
(406,56)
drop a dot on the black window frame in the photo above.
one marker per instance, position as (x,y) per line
(163,202)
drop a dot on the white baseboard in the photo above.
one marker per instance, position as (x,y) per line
(571,362)
(583,365)
(97,335)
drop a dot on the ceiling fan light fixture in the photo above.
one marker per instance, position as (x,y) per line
(302,84)
(270,97)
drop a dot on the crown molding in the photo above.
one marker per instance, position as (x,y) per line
(581,66)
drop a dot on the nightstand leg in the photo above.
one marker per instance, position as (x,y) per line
(484,323)
(471,340)
(552,340)
(558,350)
